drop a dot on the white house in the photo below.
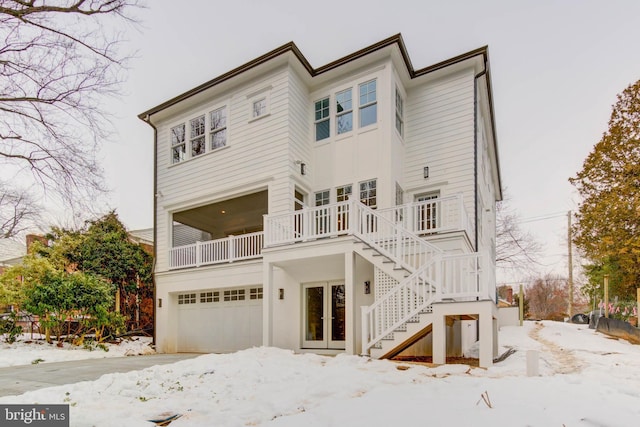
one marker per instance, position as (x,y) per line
(345,208)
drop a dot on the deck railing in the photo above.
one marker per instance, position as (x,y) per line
(433,216)
(440,215)
(229,249)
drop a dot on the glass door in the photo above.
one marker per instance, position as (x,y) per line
(324,308)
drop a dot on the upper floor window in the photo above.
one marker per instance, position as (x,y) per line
(368,103)
(178,149)
(322,119)
(218,128)
(343,193)
(215,123)
(368,194)
(344,111)
(259,107)
(322,198)
(197,137)
(399,113)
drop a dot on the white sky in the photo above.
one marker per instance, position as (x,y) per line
(556,68)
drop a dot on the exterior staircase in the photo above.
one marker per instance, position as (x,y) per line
(401,316)
(425,275)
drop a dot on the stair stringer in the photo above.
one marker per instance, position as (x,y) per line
(403,338)
(382,262)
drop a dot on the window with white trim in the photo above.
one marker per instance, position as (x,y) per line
(399,113)
(368,193)
(186,299)
(259,108)
(255,293)
(322,122)
(178,148)
(344,111)
(197,136)
(368,103)
(234,295)
(322,198)
(399,195)
(344,193)
(218,128)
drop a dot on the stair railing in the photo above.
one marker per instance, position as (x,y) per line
(391,239)
(412,296)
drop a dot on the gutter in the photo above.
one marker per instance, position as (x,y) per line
(147,120)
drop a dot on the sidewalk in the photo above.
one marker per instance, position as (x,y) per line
(16,380)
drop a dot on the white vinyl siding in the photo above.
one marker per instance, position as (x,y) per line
(439,133)
(256,156)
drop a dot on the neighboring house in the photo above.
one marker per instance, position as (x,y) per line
(11,253)
(143,237)
(346,208)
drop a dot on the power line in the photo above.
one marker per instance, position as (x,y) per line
(542,217)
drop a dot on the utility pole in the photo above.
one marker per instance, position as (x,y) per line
(570,266)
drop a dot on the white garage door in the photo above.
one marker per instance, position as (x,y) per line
(219,321)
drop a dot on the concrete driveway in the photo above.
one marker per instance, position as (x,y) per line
(16,380)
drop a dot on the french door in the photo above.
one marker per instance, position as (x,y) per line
(323,315)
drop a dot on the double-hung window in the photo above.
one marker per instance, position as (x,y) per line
(368,103)
(178,149)
(344,111)
(368,193)
(322,119)
(259,107)
(399,113)
(218,128)
(197,136)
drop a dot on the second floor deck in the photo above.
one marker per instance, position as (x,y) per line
(428,219)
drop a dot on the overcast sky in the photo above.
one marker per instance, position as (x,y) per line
(556,67)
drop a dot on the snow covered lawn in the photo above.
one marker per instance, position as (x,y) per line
(586,379)
(27,350)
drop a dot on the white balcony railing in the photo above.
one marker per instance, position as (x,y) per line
(428,217)
(440,215)
(229,249)
(433,216)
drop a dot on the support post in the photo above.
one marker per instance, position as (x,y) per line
(521,304)
(439,340)
(606,295)
(570,261)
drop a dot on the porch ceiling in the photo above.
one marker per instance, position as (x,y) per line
(330,267)
(233,216)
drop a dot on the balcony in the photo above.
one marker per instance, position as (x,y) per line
(435,216)
(431,217)
(229,249)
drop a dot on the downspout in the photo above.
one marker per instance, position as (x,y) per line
(475,148)
(147,120)
(475,169)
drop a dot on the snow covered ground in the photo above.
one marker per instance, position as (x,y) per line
(28,350)
(586,379)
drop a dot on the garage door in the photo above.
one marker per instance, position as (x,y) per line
(220,321)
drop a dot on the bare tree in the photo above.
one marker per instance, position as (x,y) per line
(515,249)
(547,297)
(58,59)
(18,211)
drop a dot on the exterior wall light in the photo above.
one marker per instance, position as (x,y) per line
(425,172)
(303,167)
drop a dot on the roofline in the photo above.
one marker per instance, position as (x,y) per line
(291,47)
